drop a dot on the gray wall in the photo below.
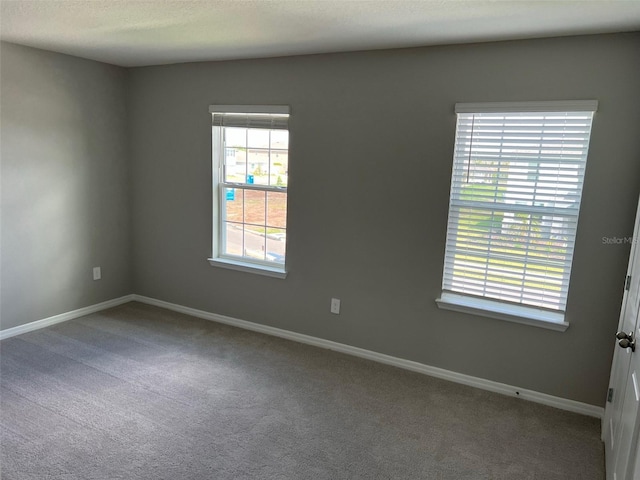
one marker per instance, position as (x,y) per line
(65,184)
(371,153)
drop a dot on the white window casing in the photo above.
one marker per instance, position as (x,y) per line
(248,119)
(516,186)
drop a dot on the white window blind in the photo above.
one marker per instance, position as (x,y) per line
(518,171)
(243,116)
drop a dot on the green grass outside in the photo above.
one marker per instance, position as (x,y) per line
(514,267)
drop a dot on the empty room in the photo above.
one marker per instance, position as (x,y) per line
(323,239)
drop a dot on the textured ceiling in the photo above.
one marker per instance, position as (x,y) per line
(135,33)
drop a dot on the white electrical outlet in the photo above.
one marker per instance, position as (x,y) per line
(97,274)
(335,306)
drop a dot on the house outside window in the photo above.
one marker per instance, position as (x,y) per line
(250,167)
(516,187)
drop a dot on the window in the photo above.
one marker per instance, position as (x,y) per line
(250,150)
(518,171)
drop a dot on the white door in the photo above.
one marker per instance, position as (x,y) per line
(636,470)
(620,426)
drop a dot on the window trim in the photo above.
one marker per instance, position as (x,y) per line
(217,258)
(483,307)
(495,308)
(265,270)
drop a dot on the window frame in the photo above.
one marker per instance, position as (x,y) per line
(219,185)
(482,305)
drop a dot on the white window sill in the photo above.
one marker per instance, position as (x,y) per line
(248,267)
(502,311)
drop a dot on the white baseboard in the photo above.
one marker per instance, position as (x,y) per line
(63,317)
(543,398)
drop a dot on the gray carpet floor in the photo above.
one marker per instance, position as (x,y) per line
(138,392)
